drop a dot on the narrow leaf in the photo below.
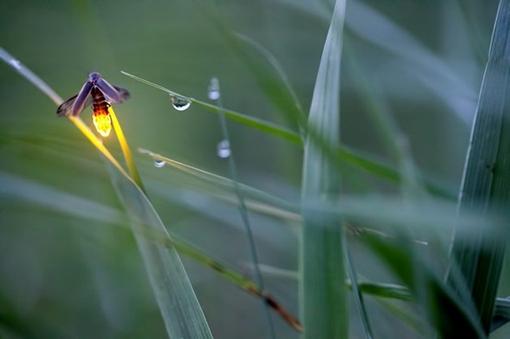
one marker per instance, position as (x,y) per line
(338,154)
(323,303)
(486,180)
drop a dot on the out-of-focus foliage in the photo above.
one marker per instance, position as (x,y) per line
(67,271)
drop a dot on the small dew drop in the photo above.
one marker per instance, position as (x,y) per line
(223,149)
(180,103)
(159,163)
(213,91)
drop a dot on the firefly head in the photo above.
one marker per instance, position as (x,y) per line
(94,77)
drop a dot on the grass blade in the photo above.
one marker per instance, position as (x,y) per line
(486,180)
(358,297)
(224,182)
(259,124)
(243,211)
(30,76)
(178,304)
(444,309)
(340,155)
(78,207)
(373,26)
(323,303)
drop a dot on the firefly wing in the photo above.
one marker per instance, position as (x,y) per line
(65,109)
(81,98)
(124,93)
(109,91)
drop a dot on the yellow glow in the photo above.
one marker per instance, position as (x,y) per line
(126,150)
(103,124)
(96,142)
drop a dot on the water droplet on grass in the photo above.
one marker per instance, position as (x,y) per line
(213,91)
(180,103)
(223,149)
(159,163)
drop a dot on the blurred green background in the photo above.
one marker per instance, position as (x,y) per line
(64,275)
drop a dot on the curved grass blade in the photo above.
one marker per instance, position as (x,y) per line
(30,76)
(224,182)
(339,154)
(486,179)
(368,23)
(395,141)
(259,124)
(75,206)
(449,315)
(178,304)
(273,81)
(323,303)
(293,103)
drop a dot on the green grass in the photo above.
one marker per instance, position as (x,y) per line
(338,219)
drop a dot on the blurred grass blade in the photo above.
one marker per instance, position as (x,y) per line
(433,72)
(272,80)
(76,206)
(370,24)
(358,297)
(340,155)
(393,139)
(445,311)
(323,302)
(243,211)
(281,79)
(178,304)
(13,185)
(223,182)
(486,180)
(30,76)
(501,314)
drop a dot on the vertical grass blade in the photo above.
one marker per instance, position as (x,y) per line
(323,303)
(358,296)
(486,180)
(243,211)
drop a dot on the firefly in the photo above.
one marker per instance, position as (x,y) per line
(101,94)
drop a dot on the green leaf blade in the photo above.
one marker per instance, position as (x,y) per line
(323,303)
(486,181)
(172,288)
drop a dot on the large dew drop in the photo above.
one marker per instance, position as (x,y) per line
(159,163)
(180,103)
(223,149)
(213,91)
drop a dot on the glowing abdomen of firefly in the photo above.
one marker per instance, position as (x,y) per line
(101,116)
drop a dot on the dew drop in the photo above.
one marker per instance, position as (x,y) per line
(159,163)
(180,103)
(223,149)
(213,91)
